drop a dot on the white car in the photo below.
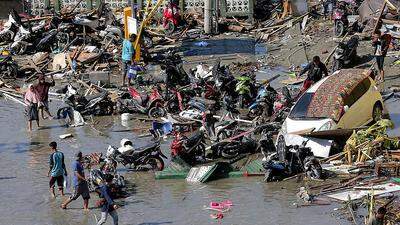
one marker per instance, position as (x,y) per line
(346,99)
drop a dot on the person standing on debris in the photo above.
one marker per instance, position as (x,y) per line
(316,69)
(43,93)
(127,53)
(80,184)
(381,46)
(107,204)
(378,218)
(57,170)
(31,100)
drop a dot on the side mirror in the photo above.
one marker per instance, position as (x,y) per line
(346,108)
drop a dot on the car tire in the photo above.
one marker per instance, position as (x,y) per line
(281,148)
(377,112)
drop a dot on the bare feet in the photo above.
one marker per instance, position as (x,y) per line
(63,206)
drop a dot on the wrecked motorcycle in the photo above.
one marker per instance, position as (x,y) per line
(345,53)
(171,18)
(264,102)
(296,159)
(97,177)
(8,67)
(11,27)
(145,158)
(190,149)
(97,105)
(141,102)
(232,148)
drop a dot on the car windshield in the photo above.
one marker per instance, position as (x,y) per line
(301,107)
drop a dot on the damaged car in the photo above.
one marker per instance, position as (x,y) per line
(339,103)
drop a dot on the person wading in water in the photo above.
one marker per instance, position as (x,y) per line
(57,170)
(80,184)
(31,100)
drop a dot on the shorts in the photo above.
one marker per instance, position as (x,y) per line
(125,67)
(379,61)
(59,180)
(44,105)
(81,189)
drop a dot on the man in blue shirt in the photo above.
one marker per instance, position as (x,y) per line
(57,170)
(108,206)
(127,53)
(80,184)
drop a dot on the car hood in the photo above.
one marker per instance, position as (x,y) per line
(292,126)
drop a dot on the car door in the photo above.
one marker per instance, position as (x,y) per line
(357,111)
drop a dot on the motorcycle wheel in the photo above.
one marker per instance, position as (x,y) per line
(339,29)
(156,163)
(169,28)
(228,153)
(281,148)
(200,150)
(268,175)
(315,172)
(223,134)
(156,112)
(20,49)
(337,65)
(11,71)
(109,109)
(6,37)
(253,113)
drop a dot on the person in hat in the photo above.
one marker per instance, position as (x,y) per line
(57,170)
(80,184)
(43,93)
(31,100)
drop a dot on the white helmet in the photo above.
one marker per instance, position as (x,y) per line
(126,146)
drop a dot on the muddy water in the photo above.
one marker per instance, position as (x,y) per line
(24,186)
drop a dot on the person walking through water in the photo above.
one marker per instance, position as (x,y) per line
(31,100)
(381,47)
(316,70)
(108,207)
(127,53)
(43,93)
(57,170)
(80,184)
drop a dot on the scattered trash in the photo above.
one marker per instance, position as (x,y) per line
(64,136)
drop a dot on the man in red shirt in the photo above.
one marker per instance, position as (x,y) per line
(42,89)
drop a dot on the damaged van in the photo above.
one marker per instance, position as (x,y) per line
(347,99)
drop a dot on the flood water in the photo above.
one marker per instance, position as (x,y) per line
(25,198)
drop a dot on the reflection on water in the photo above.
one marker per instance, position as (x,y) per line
(25,197)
